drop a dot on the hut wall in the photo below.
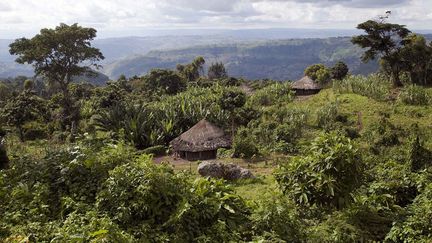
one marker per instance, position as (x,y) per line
(203,155)
(301,92)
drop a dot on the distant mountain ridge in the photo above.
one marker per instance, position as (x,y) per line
(252,54)
(278,59)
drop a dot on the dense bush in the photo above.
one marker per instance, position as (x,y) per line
(153,195)
(414,95)
(212,213)
(383,133)
(278,129)
(272,94)
(278,217)
(326,176)
(244,145)
(35,131)
(416,226)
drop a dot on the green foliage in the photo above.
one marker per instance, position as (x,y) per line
(141,194)
(415,57)
(217,71)
(158,150)
(277,216)
(211,213)
(339,71)
(415,95)
(192,71)
(60,54)
(21,109)
(415,227)
(383,40)
(232,99)
(318,73)
(272,94)
(336,228)
(34,131)
(134,122)
(327,116)
(419,157)
(162,81)
(90,227)
(244,145)
(375,86)
(383,133)
(326,176)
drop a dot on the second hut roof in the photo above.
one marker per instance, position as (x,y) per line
(306,83)
(204,136)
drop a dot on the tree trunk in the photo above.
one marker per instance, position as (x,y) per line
(66,105)
(396,79)
(21,133)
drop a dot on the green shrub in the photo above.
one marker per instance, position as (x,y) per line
(414,95)
(419,157)
(416,227)
(141,193)
(277,216)
(90,227)
(212,212)
(158,150)
(383,133)
(34,131)
(279,92)
(244,145)
(335,228)
(326,176)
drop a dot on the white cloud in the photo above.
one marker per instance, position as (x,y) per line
(26,17)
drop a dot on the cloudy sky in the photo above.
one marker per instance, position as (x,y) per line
(136,17)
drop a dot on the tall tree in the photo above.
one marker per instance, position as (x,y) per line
(58,55)
(230,101)
(193,70)
(217,71)
(416,58)
(383,40)
(161,81)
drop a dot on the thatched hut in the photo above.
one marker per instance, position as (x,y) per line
(306,86)
(201,142)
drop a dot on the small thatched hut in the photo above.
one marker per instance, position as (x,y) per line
(306,86)
(201,142)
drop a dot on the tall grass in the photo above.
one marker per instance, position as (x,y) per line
(375,86)
(415,95)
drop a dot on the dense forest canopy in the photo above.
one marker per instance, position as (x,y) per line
(86,163)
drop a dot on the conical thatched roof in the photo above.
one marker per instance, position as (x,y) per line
(306,83)
(204,136)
